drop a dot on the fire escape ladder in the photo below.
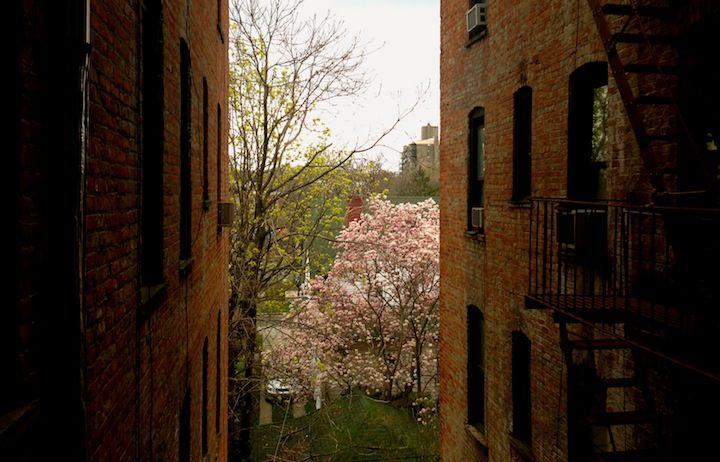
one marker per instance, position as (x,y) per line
(612,426)
(649,137)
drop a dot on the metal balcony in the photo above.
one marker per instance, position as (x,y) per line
(611,262)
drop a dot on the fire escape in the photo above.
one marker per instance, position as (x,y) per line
(633,284)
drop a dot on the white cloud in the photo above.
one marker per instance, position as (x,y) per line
(406,37)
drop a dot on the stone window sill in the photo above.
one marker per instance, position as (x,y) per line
(522,448)
(476,38)
(477,434)
(475,235)
(150,295)
(15,420)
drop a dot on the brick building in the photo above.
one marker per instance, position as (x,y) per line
(579,230)
(114,318)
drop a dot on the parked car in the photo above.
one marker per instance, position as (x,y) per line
(278,389)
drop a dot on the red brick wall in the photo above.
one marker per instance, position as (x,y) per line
(140,359)
(89,370)
(540,45)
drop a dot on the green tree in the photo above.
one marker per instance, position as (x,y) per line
(412,182)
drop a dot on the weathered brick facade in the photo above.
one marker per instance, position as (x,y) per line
(540,45)
(99,362)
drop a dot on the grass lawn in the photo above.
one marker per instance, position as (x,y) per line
(353,428)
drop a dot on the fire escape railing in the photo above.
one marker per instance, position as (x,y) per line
(615,262)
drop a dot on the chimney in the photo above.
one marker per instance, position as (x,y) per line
(355,205)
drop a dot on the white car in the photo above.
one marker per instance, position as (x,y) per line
(278,389)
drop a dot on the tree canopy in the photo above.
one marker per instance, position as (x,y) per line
(373,321)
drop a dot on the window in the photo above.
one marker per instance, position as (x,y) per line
(206,153)
(521,428)
(219,21)
(522,144)
(218,371)
(218,161)
(185,152)
(184,433)
(476,162)
(587,132)
(476,367)
(153,130)
(204,423)
(12,386)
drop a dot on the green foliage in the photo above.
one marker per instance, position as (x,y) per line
(413,182)
(239,365)
(352,428)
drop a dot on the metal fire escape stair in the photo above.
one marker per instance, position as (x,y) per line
(633,379)
(635,16)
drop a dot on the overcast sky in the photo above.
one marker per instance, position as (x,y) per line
(406,37)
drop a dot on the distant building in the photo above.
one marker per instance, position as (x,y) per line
(424,154)
(580,233)
(114,319)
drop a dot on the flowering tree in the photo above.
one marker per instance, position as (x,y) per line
(373,321)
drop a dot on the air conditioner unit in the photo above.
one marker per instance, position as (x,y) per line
(476,16)
(226,212)
(476,217)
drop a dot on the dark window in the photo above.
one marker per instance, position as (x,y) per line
(219,21)
(185,151)
(476,367)
(587,132)
(218,371)
(184,433)
(522,144)
(521,386)
(204,422)
(476,162)
(206,185)
(153,130)
(698,95)
(11,381)
(218,160)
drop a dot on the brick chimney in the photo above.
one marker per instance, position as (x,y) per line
(355,205)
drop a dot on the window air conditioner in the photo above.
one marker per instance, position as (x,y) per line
(476,16)
(476,217)
(226,211)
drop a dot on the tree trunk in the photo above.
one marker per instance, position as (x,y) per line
(418,370)
(244,392)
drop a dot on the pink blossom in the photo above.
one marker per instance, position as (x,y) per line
(373,322)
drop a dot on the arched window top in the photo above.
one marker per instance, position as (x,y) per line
(476,113)
(476,309)
(524,90)
(593,74)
